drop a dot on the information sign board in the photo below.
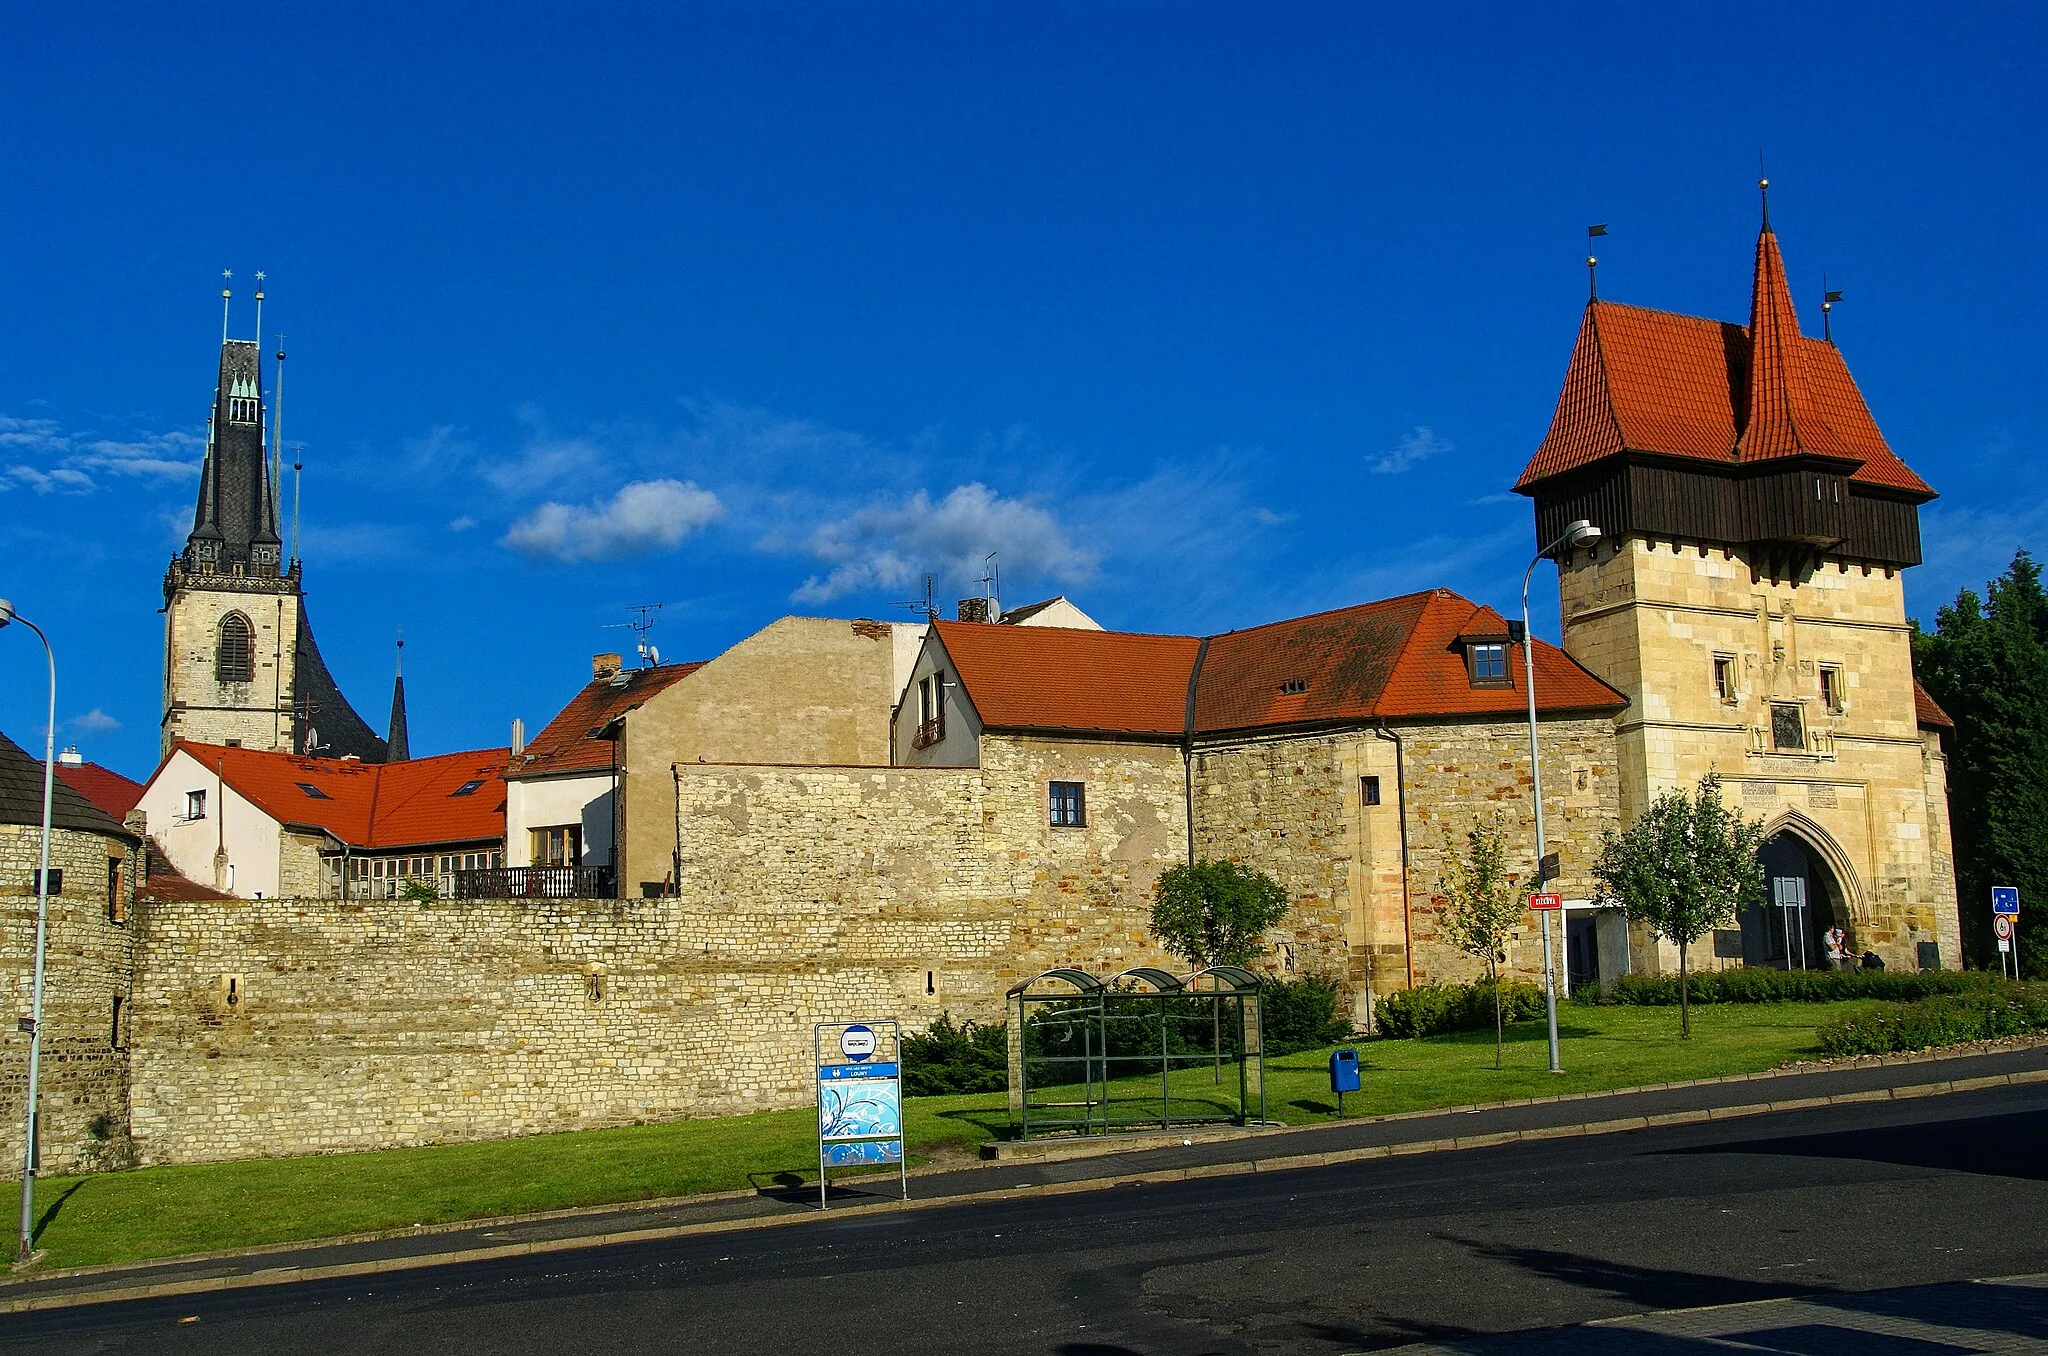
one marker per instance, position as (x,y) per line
(1542,902)
(2005,899)
(860,1099)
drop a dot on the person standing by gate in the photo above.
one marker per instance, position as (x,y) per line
(1837,943)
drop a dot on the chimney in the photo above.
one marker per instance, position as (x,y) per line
(974,609)
(518,736)
(70,757)
(603,666)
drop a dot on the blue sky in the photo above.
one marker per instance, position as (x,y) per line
(1202,315)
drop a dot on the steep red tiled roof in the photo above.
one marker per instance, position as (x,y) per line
(1391,660)
(102,786)
(1928,711)
(567,745)
(371,805)
(1040,677)
(1395,659)
(1680,386)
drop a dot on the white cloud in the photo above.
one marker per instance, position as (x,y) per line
(1420,445)
(94,721)
(461,524)
(644,516)
(66,459)
(61,480)
(889,545)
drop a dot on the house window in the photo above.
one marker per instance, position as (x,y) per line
(117,907)
(1294,687)
(1069,804)
(1788,728)
(1831,694)
(1724,677)
(195,805)
(931,711)
(559,846)
(1369,790)
(231,658)
(1487,663)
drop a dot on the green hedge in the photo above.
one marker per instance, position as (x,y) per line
(950,1059)
(1950,1019)
(1301,1014)
(1438,1008)
(1747,984)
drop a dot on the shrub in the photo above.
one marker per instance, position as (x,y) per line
(1438,1008)
(1301,1014)
(1746,984)
(1949,1019)
(948,1059)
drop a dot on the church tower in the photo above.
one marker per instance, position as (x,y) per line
(240,664)
(1747,596)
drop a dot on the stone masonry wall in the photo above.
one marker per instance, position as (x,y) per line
(87,964)
(808,894)
(197,706)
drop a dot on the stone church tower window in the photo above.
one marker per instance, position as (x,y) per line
(232,662)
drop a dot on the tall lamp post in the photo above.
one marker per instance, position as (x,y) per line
(1580,533)
(27,1248)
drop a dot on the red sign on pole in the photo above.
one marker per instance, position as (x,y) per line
(1541,902)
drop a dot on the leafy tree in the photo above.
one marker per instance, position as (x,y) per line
(1683,869)
(1481,906)
(1986,662)
(1211,913)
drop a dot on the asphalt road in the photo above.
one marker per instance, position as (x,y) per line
(1376,1254)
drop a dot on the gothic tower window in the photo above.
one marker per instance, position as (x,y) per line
(233,662)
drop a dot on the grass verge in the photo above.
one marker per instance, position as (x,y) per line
(160,1212)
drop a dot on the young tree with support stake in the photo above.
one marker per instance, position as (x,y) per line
(1212,913)
(1683,869)
(1481,906)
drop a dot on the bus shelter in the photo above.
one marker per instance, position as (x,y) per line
(1139,1049)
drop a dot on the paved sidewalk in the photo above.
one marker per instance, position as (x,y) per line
(2005,1315)
(1272,1150)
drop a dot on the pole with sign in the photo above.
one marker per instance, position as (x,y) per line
(860,1099)
(2005,925)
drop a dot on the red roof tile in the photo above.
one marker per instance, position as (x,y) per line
(102,786)
(567,744)
(1676,385)
(371,805)
(1040,677)
(1928,712)
(1395,659)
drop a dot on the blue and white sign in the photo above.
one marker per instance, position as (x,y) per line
(2005,899)
(860,1100)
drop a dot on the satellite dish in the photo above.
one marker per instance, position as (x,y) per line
(654,654)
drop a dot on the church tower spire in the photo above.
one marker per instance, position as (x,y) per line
(234,524)
(397,746)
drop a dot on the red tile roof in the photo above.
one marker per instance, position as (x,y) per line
(1680,386)
(1928,711)
(1040,677)
(1391,660)
(102,786)
(567,743)
(371,805)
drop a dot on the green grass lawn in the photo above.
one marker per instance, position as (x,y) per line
(156,1212)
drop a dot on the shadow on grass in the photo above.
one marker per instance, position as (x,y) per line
(51,1211)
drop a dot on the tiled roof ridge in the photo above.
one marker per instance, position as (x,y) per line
(953,625)
(1375,605)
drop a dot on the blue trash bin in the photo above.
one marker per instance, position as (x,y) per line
(1343,1075)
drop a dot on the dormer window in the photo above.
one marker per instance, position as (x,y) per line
(1486,661)
(1294,687)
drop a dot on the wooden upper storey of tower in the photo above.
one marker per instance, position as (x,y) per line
(1673,425)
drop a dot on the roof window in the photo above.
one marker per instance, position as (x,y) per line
(1486,663)
(1294,686)
(311,790)
(467,788)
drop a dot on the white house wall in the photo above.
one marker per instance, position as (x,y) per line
(546,802)
(250,835)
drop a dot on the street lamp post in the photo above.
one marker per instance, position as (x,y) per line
(1580,533)
(26,1250)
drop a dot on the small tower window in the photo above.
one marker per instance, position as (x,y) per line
(1831,694)
(1369,790)
(232,661)
(1724,677)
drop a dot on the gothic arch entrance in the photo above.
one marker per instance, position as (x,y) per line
(1804,895)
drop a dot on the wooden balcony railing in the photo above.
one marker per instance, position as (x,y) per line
(535,882)
(931,732)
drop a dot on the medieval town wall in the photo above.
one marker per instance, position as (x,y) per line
(88,960)
(809,894)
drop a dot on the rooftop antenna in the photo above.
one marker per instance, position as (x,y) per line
(227,275)
(276,425)
(259,305)
(1827,306)
(990,592)
(298,465)
(923,606)
(644,615)
(1592,262)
